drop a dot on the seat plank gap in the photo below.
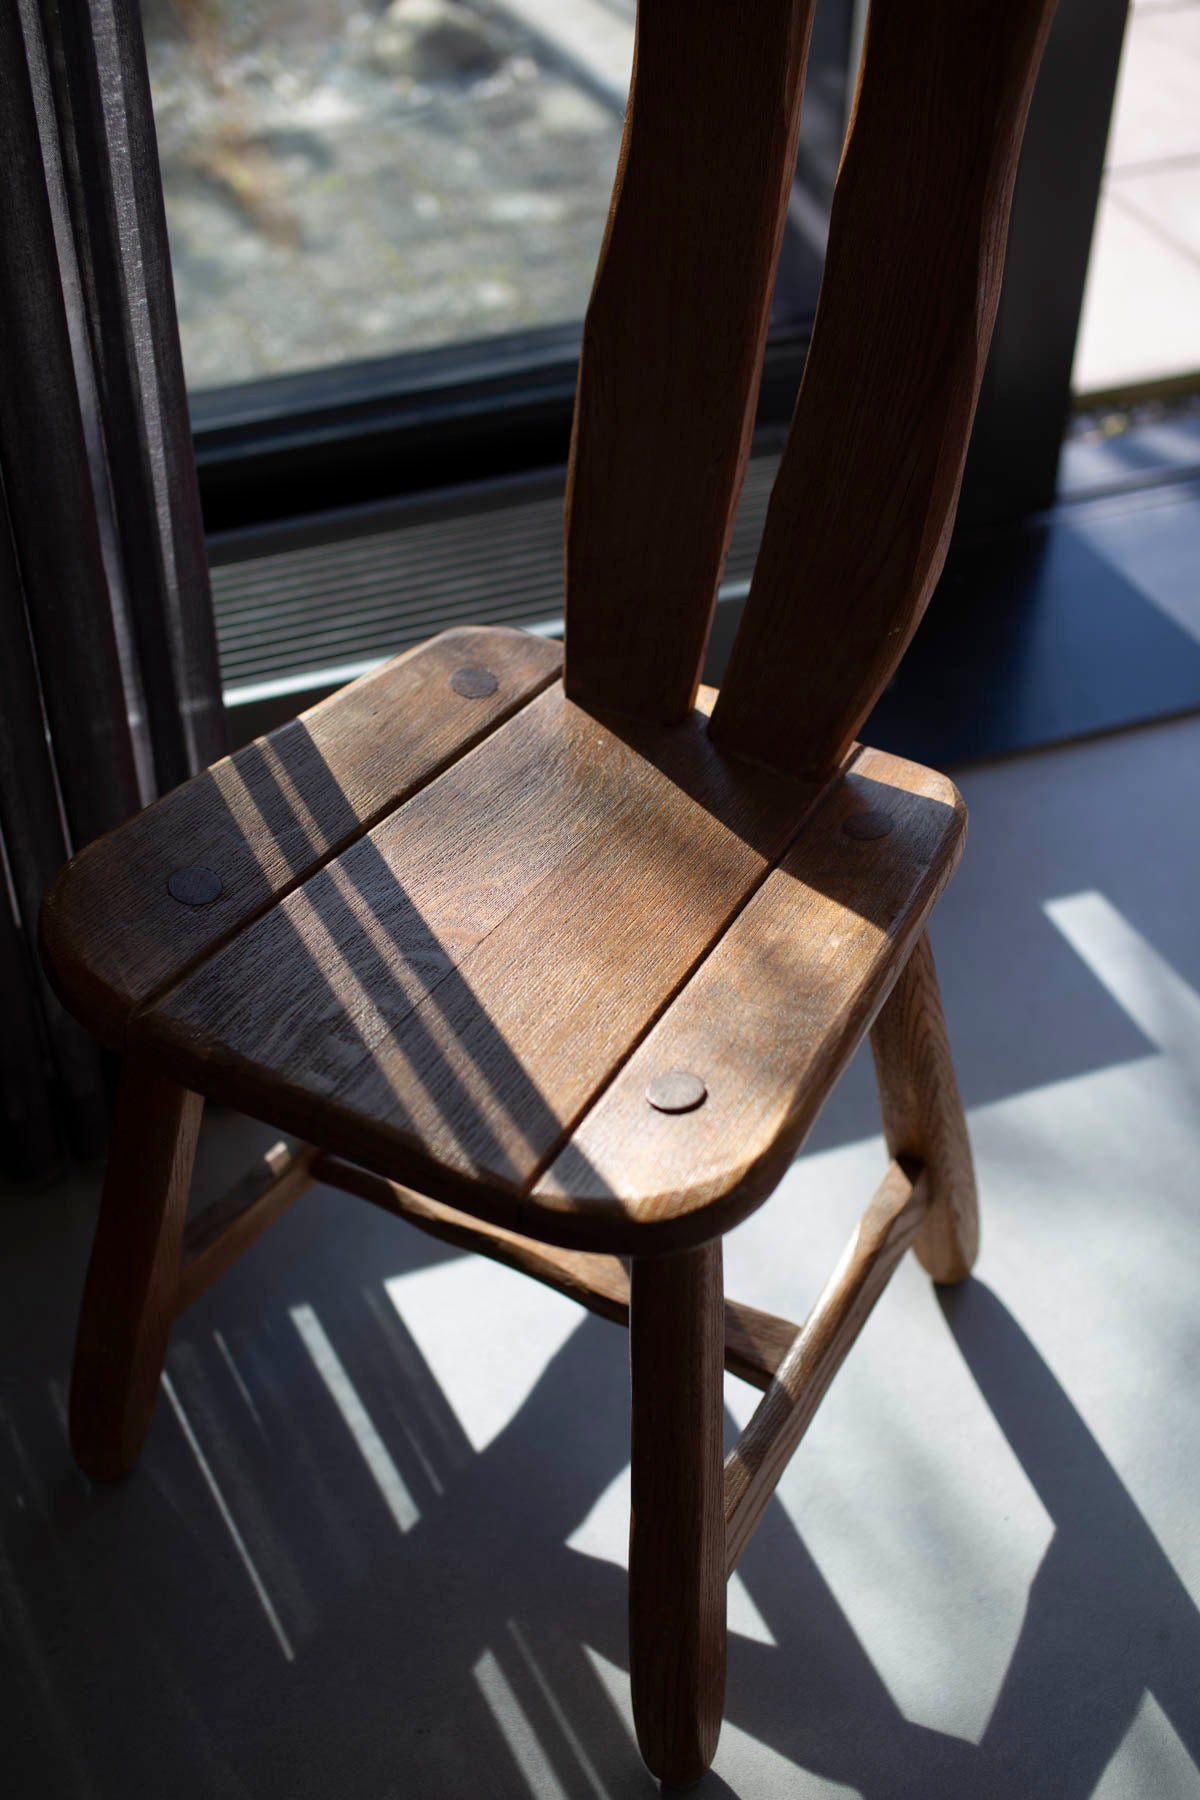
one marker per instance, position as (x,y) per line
(814,791)
(767,1021)
(454,988)
(135,913)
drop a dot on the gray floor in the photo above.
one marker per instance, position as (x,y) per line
(375,1544)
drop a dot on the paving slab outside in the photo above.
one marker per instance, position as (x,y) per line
(1141,312)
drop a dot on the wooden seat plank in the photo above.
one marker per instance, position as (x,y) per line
(768,1022)
(266,817)
(442,1000)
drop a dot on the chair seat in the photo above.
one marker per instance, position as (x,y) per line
(453,927)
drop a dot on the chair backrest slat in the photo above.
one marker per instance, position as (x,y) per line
(863,506)
(673,343)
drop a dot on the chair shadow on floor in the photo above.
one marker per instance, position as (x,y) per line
(427,1655)
(1107,1620)
(1107,1617)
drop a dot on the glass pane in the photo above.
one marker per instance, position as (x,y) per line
(347,179)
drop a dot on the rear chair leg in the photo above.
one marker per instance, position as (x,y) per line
(923,1114)
(677,1529)
(132,1282)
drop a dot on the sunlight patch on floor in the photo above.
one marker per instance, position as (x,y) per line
(228,1520)
(1150,1761)
(486,1334)
(1160,1003)
(515,1727)
(346,1398)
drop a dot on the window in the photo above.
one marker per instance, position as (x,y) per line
(384,222)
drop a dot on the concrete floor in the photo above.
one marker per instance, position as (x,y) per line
(375,1544)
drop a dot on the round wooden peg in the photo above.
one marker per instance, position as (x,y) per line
(676,1091)
(195,886)
(474,683)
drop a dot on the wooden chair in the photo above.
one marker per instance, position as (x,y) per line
(561,970)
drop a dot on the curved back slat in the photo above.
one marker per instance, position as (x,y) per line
(673,343)
(864,502)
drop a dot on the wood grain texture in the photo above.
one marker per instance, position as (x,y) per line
(788,1407)
(213,1241)
(923,1116)
(265,818)
(676,1532)
(768,1021)
(755,1342)
(442,1001)
(673,343)
(864,502)
(129,1297)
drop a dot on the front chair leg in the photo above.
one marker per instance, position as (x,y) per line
(677,1528)
(923,1114)
(132,1281)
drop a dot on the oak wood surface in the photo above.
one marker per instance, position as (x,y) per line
(676,1531)
(476,995)
(923,1117)
(215,1239)
(263,819)
(768,1021)
(863,505)
(130,1293)
(442,1000)
(755,1342)
(673,343)
(783,1415)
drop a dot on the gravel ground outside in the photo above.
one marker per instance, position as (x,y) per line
(350,180)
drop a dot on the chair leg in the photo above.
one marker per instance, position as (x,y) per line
(923,1114)
(677,1529)
(132,1280)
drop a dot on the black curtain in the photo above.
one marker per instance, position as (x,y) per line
(109,682)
